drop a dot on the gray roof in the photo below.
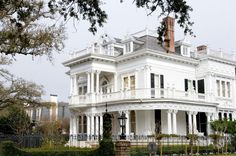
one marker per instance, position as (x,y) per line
(150,42)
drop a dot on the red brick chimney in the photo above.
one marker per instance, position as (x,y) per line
(169,37)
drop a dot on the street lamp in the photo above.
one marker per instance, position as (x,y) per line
(122,120)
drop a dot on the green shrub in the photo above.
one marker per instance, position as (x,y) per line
(8,148)
(106,148)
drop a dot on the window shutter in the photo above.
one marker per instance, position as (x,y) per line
(152,80)
(186,84)
(162,81)
(194,84)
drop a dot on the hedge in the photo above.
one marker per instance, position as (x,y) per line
(8,148)
(178,149)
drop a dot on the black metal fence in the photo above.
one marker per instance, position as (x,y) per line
(26,141)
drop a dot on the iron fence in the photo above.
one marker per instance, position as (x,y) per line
(26,141)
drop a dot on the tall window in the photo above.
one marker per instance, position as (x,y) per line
(228,89)
(85,124)
(132,82)
(218,87)
(220,116)
(80,124)
(126,82)
(223,88)
(132,122)
(104,86)
(129,82)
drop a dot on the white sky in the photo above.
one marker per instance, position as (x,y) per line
(215,26)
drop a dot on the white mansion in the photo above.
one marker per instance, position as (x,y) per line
(165,88)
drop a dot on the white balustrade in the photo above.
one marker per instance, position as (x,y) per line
(142,93)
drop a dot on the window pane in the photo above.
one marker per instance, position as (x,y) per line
(223,88)
(228,89)
(218,87)
(132,82)
(126,84)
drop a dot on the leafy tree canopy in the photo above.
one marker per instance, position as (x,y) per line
(91,10)
(23,32)
(16,121)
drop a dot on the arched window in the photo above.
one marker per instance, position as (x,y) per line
(133,122)
(85,124)
(220,116)
(104,86)
(225,116)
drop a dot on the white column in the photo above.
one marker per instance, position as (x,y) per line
(71,85)
(92,127)
(127,128)
(169,129)
(77,124)
(88,82)
(92,82)
(82,123)
(174,121)
(189,122)
(208,123)
(115,82)
(101,125)
(195,122)
(71,122)
(88,127)
(75,86)
(74,125)
(97,81)
(97,126)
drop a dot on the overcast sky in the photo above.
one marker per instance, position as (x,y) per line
(215,26)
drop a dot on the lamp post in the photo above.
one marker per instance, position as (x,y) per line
(122,120)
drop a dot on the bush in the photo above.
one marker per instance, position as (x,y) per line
(8,148)
(106,148)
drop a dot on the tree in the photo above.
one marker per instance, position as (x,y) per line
(16,91)
(91,10)
(23,32)
(52,132)
(15,122)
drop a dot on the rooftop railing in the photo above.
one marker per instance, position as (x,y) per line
(216,53)
(94,50)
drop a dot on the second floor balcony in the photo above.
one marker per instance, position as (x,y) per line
(140,95)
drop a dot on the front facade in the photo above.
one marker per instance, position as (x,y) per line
(161,89)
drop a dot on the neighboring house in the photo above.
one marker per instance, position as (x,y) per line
(50,111)
(167,88)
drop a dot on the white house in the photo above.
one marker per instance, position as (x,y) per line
(161,88)
(49,111)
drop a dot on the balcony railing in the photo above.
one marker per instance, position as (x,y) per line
(143,93)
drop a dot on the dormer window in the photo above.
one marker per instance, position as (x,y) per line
(183,48)
(185,51)
(127,47)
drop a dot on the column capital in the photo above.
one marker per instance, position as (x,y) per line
(98,71)
(189,112)
(169,111)
(126,111)
(195,113)
(175,111)
(209,114)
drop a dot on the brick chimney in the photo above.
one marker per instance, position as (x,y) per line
(169,38)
